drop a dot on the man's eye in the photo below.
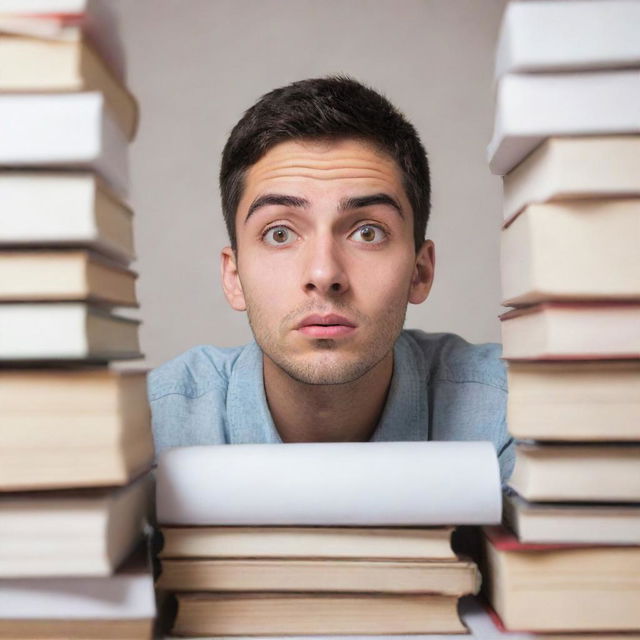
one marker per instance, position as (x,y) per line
(279,236)
(369,234)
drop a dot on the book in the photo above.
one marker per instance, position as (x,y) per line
(556,331)
(117,606)
(307,484)
(578,250)
(564,36)
(71,533)
(65,331)
(315,614)
(569,168)
(69,629)
(577,472)
(63,209)
(39,64)
(553,588)
(574,400)
(69,21)
(90,427)
(485,624)
(593,103)
(72,130)
(65,274)
(572,523)
(320,575)
(308,542)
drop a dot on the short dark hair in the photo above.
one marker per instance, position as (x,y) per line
(331,108)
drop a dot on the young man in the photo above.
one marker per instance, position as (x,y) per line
(326,194)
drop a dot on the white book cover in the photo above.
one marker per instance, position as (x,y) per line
(123,596)
(72,130)
(63,209)
(541,36)
(66,331)
(533,107)
(350,484)
(42,6)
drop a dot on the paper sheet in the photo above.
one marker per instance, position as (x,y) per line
(330,484)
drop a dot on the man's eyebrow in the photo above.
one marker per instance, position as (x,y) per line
(277,199)
(359,202)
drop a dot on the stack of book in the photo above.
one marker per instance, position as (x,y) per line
(75,436)
(286,539)
(567,140)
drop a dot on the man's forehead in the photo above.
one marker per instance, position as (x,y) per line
(324,160)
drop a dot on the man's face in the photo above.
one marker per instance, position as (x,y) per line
(326,260)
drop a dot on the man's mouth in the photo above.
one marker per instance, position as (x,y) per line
(326,326)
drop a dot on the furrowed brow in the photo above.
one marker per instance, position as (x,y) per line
(276,199)
(368,201)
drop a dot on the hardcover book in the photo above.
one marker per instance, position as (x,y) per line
(63,209)
(574,168)
(90,427)
(593,103)
(578,250)
(70,130)
(554,588)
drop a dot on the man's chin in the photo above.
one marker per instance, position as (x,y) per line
(328,369)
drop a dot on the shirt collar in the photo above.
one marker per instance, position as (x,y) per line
(405,416)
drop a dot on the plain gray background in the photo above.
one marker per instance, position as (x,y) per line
(196,65)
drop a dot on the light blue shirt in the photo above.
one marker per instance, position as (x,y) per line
(443,388)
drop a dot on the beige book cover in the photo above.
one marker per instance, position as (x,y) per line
(71,533)
(572,523)
(554,588)
(574,400)
(89,427)
(577,472)
(566,331)
(574,168)
(308,542)
(573,250)
(314,575)
(65,274)
(314,614)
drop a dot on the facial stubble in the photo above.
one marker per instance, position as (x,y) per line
(326,361)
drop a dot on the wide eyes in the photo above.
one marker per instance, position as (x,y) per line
(369,234)
(282,236)
(279,236)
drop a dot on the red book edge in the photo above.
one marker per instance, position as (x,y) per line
(505,540)
(493,615)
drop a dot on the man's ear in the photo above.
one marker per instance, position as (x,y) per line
(423,273)
(231,279)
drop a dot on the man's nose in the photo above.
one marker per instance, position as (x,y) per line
(324,269)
